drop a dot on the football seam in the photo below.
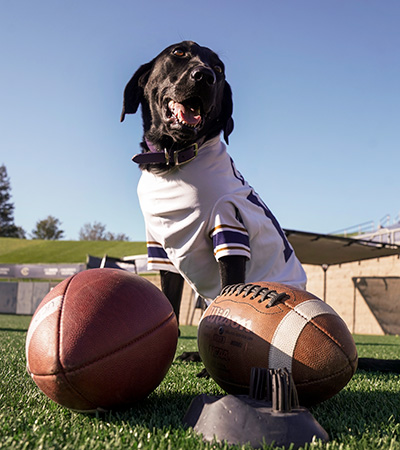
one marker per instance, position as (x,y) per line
(311,382)
(72,387)
(311,321)
(60,321)
(122,347)
(333,339)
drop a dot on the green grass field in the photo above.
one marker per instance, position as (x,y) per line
(365,415)
(25,251)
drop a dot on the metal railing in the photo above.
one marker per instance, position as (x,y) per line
(382,235)
(385,232)
(356,229)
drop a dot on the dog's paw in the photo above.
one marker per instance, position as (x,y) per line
(189,357)
(203,374)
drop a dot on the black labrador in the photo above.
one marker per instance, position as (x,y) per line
(186,101)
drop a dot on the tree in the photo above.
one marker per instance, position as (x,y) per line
(93,232)
(7,225)
(97,232)
(21,234)
(48,229)
(116,237)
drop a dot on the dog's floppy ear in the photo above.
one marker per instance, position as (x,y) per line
(226,113)
(133,93)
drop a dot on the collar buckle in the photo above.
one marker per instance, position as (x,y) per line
(185,155)
(167,157)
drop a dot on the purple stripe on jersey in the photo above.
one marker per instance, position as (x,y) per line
(226,237)
(156,252)
(257,201)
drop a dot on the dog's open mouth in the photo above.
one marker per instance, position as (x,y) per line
(187,113)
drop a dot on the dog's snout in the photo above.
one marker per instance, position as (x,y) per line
(203,74)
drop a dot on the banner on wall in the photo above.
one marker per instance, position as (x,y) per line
(41,271)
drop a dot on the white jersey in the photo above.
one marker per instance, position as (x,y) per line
(204,210)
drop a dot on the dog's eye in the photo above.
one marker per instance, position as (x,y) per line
(179,52)
(218,69)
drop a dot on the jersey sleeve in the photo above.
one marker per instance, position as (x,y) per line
(157,256)
(229,235)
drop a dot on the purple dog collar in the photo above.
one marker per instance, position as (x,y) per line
(168,157)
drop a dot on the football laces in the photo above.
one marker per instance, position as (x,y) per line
(262,293)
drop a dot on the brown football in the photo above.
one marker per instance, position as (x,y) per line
(272,325)
(101,339)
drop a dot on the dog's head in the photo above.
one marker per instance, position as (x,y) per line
(184,97)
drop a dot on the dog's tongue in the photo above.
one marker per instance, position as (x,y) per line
(186,114)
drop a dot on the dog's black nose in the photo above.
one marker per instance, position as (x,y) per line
(203,74)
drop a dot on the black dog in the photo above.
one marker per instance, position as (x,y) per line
(204,222)
(185,100)
(186,103)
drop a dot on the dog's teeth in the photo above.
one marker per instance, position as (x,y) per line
(176,112)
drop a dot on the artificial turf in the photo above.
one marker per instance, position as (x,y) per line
(364,415)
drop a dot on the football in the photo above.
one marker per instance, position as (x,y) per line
(100,340)
(271,325)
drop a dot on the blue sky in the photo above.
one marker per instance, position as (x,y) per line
(316,105)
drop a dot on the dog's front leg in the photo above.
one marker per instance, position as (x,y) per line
(232,270)
(172,287)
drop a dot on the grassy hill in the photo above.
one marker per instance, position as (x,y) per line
(20,251)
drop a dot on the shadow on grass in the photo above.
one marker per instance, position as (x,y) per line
(157,411)
(16,330)
(347,414)
(357,413)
